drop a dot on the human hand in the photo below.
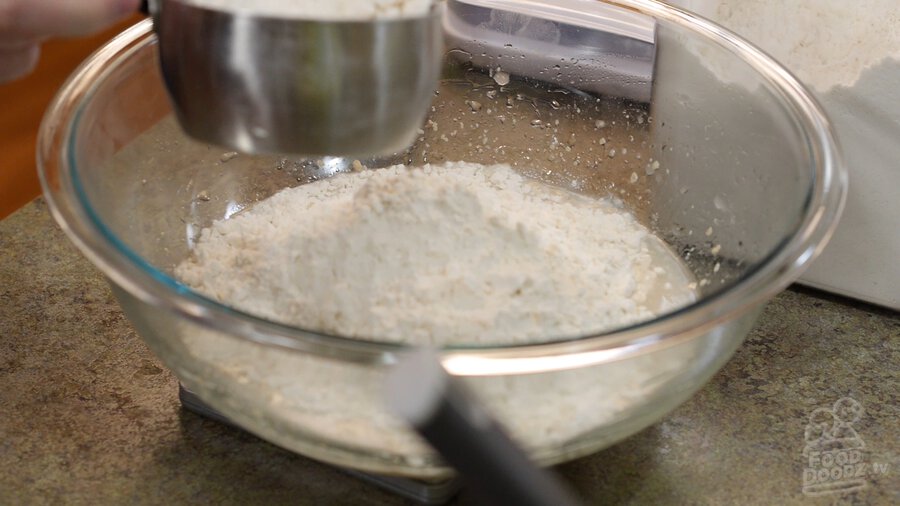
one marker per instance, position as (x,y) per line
(24,24)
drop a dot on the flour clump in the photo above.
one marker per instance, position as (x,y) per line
(444,254)
(458,253)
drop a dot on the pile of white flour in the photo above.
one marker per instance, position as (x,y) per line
(326,10)
(457,253)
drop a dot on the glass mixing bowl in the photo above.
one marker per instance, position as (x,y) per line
(731,162)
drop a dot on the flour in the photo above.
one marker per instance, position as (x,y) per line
(457,253)
(324,10)
(452,254)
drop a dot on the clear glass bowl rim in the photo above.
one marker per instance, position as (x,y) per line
(143,281)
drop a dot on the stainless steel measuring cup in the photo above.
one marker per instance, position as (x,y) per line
(262,84)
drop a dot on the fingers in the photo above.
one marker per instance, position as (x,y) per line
(24,23)
(16,60)
(32,19)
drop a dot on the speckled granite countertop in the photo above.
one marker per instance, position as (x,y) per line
(89,416)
